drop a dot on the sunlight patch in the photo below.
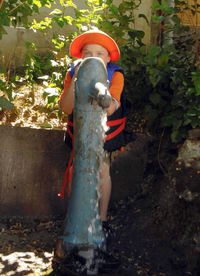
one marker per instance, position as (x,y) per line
(19,262)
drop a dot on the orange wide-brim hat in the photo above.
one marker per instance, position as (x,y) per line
(94,37)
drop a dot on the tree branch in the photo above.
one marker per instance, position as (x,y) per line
(158,156)
(1,3)
(16,7)
(196,33)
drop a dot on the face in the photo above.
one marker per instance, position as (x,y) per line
(95,50)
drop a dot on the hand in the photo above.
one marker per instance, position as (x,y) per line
(111,109)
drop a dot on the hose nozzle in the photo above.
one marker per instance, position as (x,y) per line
(103,95)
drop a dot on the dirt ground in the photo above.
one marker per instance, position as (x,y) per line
(30,110)
(142,240)
(28,248)
(155,231)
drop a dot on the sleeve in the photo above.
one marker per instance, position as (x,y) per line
(67,81)
(117,85)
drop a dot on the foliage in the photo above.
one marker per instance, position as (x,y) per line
(52,68)
(59,59)
(14,13)
(171,92)
(163,80)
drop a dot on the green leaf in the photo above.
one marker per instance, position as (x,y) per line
(68,20)
(174,135)
(46,125)
(190,91)
(155,50)
(166,121)
(187,122)
(176,123)
(4,19)
(156,5)
(70,4)
(196,79)
(37,3)
(158,18)
(163,59)
(114,10)
(191,112)
(155,98)
(4,103)
(164,5)
(107,25)
(144,16)
(59,21)
(60,114)
(154,76)
(195,123)
(56,12)
(36,8)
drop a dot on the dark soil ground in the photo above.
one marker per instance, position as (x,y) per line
(27,248)
(141,240)
(155,231)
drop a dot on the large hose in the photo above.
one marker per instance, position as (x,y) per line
(83,228)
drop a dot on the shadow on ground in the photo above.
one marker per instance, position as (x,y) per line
(141,240)
(155,230)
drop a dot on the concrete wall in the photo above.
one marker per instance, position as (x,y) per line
(140,24)
(32,167)
(12,44)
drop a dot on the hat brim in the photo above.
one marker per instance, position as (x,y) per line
(94,37)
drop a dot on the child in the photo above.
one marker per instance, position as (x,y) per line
(98,44)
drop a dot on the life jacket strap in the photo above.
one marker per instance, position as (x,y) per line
(69,171)
(120,122)
(67,178)
(69,123)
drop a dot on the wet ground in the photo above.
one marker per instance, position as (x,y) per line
(28,247)
(140,241)
(155,230)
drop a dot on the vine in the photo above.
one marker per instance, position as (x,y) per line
(167,89)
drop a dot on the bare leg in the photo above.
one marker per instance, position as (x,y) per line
(105,190)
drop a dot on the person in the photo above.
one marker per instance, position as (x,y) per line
(95,43)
